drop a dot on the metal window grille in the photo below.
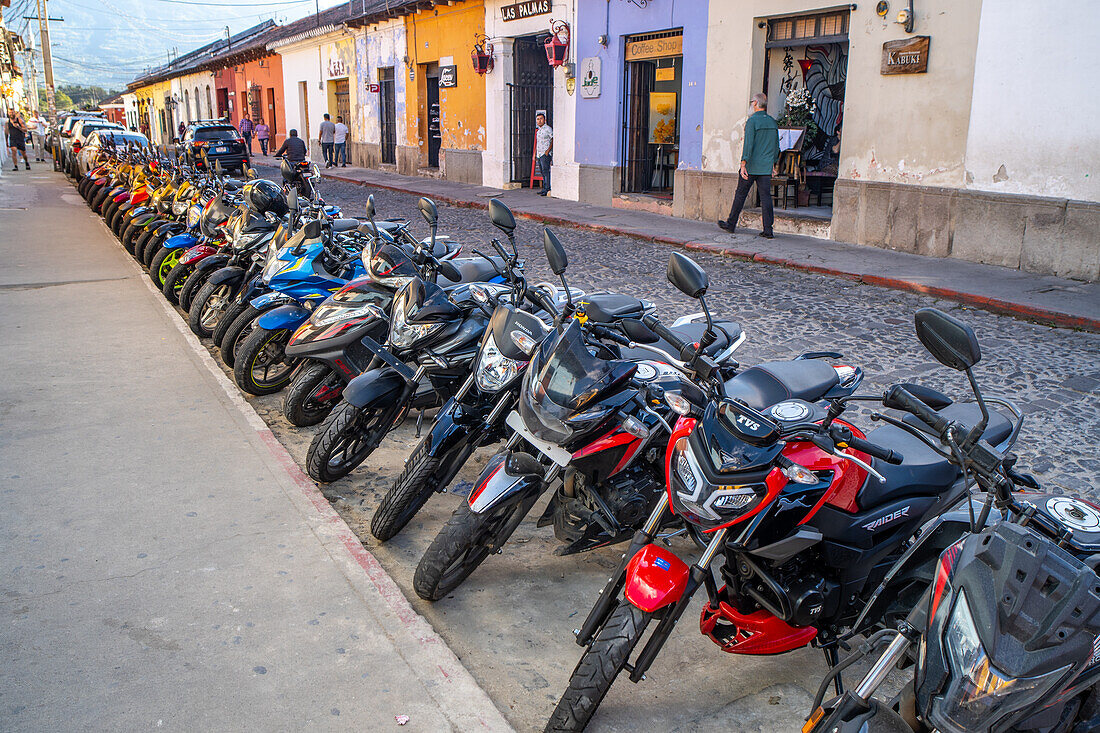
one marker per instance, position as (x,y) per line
(803,30)
(387,105)
(637,166)
(532,91)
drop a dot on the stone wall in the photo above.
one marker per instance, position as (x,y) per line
(461,166)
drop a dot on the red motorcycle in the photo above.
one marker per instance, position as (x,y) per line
(805,515)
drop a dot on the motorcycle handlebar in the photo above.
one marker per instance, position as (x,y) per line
(899,398)
(682,348)
(883,454)
(607,333)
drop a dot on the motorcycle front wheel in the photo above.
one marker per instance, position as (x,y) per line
(261,366)
(207,308)
(463,544)
(348,435)
(413,488)
(237,325)
(312,395)
(175,281)
(191,286)
(599,666)
(162,264)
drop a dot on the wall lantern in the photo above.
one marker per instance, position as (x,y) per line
(482,55)
(557,45)
(906,18)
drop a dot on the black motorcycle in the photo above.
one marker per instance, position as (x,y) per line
(1007,636)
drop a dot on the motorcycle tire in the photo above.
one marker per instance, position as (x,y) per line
(117,221)
(203,315)
(261,365)
(301,407)
(175,281)
(347,436)
(191,287)
(101,197)
(598,667)
(140,240)
(129,235)
(109,211)
(410,492)
(162,264)
(82,187)
(152,249)
(235,333)
(461,546)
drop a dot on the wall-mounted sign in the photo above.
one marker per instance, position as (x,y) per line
(655,48)
(337,67)
(668,73)
(448,77)
(373,88)
(907,56)
(526,9)
(590,77)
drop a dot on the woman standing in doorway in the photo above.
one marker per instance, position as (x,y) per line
(263,134)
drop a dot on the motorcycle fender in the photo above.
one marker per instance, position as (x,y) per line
(181,241)
(446,432)
(285,316)
(655,578)
(375,387)
(267,300)
(224,275)
(214,262)
(196,253)
(506,478)
(169,228)
(119,198)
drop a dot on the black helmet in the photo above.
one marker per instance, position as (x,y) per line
(263,196)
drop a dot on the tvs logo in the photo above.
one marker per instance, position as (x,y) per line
(887,519)
(750,424)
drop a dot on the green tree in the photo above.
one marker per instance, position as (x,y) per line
(60,98)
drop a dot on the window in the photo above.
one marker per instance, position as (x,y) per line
(808,29)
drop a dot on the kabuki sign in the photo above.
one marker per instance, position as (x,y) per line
(528,9)
(908,56)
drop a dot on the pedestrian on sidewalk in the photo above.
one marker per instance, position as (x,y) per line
(759,156)
(263,134)
(246,128)
(340,138)
(38,137)
(327,135)
(544,147)
(17,138)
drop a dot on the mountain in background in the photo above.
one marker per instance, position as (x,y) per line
(108,43)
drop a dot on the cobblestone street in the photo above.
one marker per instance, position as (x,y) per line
(511,622)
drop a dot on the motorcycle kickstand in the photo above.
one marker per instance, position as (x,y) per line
(419,422)
(832,658)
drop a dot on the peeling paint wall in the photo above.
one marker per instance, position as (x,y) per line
(380,46)
(1035,118)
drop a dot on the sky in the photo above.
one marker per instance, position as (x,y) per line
(109,42)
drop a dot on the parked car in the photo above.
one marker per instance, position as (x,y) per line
(81,129)
(209,141)
(106,138)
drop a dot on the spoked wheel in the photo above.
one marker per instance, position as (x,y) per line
(208,307)
(261,366)
(162,264)
(175,281)
(461,545)
(599,666)
(312,395)
(348,435)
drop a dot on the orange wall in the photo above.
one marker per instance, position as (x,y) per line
(434,34)
(268,74)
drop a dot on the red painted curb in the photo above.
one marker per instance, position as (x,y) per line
(996,305)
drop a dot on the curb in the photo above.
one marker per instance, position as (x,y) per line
(457,694)
(995,305)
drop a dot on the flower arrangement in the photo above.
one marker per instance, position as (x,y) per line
(798,111)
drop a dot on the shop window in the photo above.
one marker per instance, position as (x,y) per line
(653,85)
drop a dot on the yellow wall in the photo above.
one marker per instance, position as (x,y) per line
(432,35)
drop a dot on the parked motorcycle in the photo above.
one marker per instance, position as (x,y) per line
(804,513)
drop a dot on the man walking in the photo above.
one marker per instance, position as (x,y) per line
(246,128)
(38,137)
(544,147)
(758,158)
(327,135)
(17,138)
(263,134)
(341,140)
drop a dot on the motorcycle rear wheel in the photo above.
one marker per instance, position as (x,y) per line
(597,669)
(348,435)
(410,492)
(301,406)
(261,366)
(461,546)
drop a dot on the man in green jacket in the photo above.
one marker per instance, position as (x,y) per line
(758,159)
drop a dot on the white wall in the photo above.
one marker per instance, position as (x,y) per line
(1035,115)
(301,64)
(381,45)
(496,160)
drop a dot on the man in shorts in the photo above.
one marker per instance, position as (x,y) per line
(17,138)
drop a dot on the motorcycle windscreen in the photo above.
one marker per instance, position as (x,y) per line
(563,378)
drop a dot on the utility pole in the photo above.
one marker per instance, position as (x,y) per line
(47,57)
(34,72)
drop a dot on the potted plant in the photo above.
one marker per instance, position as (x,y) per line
(798,111)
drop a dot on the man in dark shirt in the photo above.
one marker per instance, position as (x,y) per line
(293,148)
(758,158)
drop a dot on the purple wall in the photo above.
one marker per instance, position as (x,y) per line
(600,121)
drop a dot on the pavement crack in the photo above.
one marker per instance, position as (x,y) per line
(38,286)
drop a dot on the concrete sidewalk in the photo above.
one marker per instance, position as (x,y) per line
(1043,298)
(165,565)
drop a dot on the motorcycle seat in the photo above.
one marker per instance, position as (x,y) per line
(923,471)
(610,307)
(472,270)
(344,225)
(770,383)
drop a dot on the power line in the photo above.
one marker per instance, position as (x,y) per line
(231,5)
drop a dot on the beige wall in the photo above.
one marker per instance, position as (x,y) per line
(904,128)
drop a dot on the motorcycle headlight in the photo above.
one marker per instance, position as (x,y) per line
(978,693)
(707,503)
(178,207)
(272,266)
(244,241)
(404,334)
(193,216)
(494,370)
(328,313)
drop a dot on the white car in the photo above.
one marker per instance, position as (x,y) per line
(106,138)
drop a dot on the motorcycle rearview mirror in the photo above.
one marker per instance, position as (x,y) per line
(555,255)
(638,332)
(292,200)
(431,215)
(370,213)
(686,276)
(217,167)
(312,229)
(949,340)
(501,216)
(449,271)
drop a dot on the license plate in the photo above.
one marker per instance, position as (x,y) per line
(383,353)
(555,453)
(220,149)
